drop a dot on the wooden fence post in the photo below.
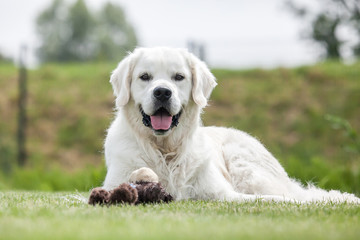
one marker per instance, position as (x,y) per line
(22,120)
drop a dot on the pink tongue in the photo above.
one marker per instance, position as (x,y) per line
(161,121)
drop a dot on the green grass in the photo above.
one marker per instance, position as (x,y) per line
(38,215)
(53,179)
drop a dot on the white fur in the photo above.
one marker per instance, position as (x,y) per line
(191,161)
(143,174)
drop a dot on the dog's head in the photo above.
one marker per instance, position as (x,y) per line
(161,83)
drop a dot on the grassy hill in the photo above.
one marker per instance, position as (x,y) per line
(70,106)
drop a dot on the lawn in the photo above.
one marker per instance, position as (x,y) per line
(66,215)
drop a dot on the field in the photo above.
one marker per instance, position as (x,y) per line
(71,105)
(307,116)
(63,215)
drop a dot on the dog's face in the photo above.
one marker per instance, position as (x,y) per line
(161,82)
(161,87)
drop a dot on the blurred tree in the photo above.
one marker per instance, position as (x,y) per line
(324,31)
(80,42)
(53,33)
(73,33)
(326,22)
(115,35)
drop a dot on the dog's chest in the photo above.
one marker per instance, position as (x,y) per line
(176,173)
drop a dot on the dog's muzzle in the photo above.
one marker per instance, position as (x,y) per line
(161,121)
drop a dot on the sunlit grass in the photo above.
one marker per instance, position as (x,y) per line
(66,215)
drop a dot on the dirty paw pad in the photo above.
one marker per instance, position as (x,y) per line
(123,194)
(99,196)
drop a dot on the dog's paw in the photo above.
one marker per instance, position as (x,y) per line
(125,193)
(99,196)
(150,192)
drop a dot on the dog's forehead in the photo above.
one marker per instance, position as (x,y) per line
(162,60)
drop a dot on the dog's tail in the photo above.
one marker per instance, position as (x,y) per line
(311,193)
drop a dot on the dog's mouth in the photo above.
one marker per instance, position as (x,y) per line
(161,121)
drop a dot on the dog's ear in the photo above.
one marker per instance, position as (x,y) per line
(121,79)
(203,81)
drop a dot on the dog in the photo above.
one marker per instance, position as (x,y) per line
(160,95)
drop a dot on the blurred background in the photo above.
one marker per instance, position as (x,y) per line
(288,73)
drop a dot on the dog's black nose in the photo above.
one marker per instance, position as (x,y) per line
(162,94)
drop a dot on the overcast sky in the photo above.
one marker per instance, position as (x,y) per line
(236,33)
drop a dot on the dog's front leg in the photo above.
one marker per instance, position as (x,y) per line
(115,176)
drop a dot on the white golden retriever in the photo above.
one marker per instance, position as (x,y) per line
(160,93)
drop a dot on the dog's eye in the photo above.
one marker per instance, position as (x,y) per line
(179,77)
(145,77)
